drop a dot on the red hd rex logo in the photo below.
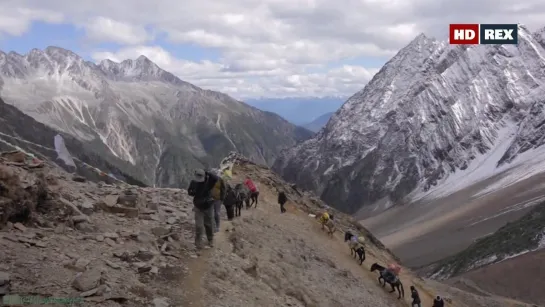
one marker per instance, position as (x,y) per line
(464,34)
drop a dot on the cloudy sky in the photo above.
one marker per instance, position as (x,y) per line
(251,48)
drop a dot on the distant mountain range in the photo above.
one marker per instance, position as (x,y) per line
(298,110)
(160,125)
(319,122)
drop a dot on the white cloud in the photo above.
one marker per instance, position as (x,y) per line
(161,57)
(16,20)
(103,29)
(270,47)
(244,83)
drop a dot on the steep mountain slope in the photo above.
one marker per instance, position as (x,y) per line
(300,237)
(20,131)
(514,239)
(120,245)
(319,122)
(516,251)
(298,110)
(434,119)
(507,278)
(146,116)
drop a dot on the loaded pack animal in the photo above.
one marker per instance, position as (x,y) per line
(253,192)
(356,245)
(323,218)
(387,276)
(331,228)
(254,196)
(243,196)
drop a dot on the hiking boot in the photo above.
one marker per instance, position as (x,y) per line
(198,247)
(211,244)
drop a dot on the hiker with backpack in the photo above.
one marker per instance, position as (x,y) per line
(282,199)
(230,201)
(218,193)
(201,189)
(438,302)
(416,298)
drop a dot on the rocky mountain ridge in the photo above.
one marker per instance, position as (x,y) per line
(433,114)
(522,236)
(500,262)
(298,110)
(20,132)
(145,115)
(319,122)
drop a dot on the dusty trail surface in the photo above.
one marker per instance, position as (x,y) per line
(266,258)
(284,260)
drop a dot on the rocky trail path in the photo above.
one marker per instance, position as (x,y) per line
(199,265)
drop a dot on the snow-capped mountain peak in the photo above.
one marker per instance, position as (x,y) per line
(142,66)
(142,113)
(141,69)
(432,111)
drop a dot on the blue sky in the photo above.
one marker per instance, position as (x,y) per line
(41,35)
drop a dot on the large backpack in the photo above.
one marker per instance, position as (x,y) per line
(216,190)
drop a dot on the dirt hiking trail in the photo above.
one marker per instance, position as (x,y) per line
(265,258)
(199,265)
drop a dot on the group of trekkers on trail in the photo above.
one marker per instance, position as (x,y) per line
(210,190)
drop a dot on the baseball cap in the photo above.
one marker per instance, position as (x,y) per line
(199,175)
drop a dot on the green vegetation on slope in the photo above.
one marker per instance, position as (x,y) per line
(516,237)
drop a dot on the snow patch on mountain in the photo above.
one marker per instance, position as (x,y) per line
(542,241)
(482,167)
(435,119)
(526,165)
